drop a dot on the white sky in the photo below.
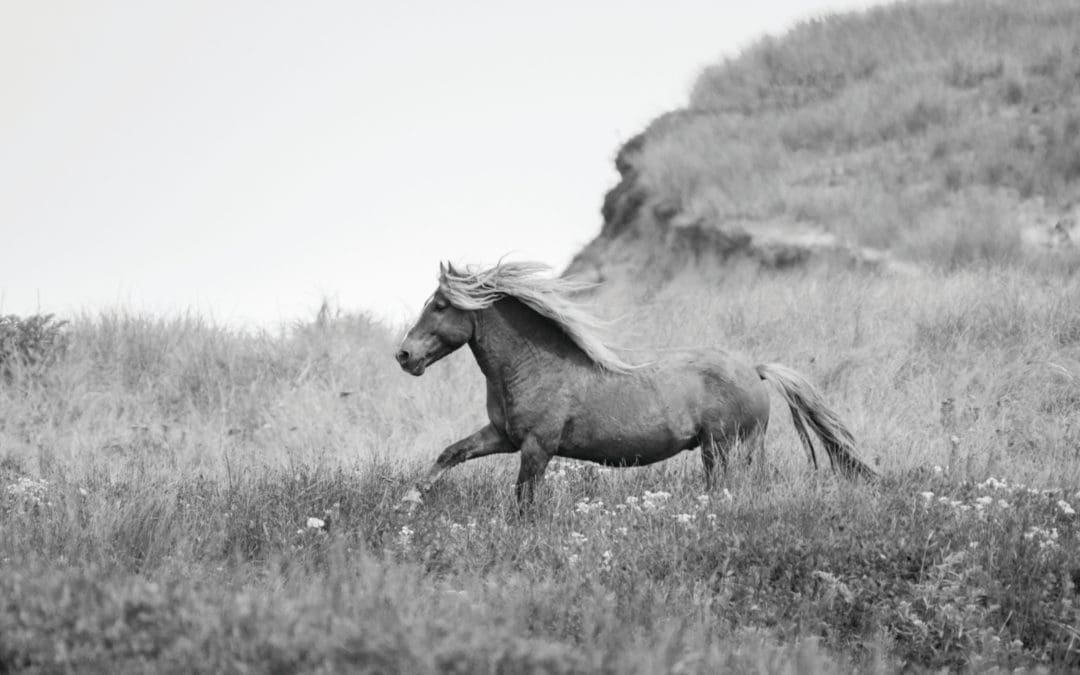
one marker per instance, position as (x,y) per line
(243,159)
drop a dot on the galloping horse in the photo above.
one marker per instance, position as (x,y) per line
(555,389)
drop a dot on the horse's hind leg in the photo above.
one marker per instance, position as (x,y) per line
(710,452)
(755,445)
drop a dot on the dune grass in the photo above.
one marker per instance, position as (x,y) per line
(907,127)
(157,484)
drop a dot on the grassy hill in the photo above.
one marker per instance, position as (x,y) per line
(158,476)
(941,132)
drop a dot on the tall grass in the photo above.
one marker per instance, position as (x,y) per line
(156,486)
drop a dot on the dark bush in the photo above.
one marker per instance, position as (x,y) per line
(31,342)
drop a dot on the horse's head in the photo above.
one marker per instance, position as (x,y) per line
(441,329)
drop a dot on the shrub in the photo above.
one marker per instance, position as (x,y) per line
(34,341)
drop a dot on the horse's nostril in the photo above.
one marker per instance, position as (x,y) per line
(402,356)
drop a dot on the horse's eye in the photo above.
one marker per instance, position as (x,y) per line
(440,305)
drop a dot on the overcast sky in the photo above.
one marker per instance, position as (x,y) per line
(243,159)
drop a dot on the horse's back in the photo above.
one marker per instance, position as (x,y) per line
(734,397)
(715,365)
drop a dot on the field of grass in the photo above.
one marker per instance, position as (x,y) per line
(176,496)
(157,478)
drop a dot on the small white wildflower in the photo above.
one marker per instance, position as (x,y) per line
(622,531)
(405,535)
(702,500)
(927,495)
(573,559)
(938,469)
(314,523)
(943,500)
(605,560)
(711,517)
(457,529)
(726,494)
(1047,539)
(32,492)
(983,502)
(578,538)
(1050,541)
(653,500)
(1066,507)
(684,518)
(586,507)
(631,500)
(994,484)
(1003,504)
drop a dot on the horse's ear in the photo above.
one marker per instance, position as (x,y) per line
(442,269)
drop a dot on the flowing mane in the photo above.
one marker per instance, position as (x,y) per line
(548,296)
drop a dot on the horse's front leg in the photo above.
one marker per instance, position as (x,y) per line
(486,441)
(534,461)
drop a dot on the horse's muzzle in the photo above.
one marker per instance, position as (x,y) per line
(409,363)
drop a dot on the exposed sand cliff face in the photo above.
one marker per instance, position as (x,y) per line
(650,235)
(912,136)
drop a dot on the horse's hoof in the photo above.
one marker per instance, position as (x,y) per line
(410,502)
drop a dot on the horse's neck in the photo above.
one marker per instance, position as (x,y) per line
(512,340)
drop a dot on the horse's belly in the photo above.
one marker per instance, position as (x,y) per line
(628,450)
(633,421)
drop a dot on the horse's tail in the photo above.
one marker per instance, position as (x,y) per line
(808,409)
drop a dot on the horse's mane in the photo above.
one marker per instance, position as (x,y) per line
(550,297)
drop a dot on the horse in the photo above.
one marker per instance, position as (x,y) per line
(555,388)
